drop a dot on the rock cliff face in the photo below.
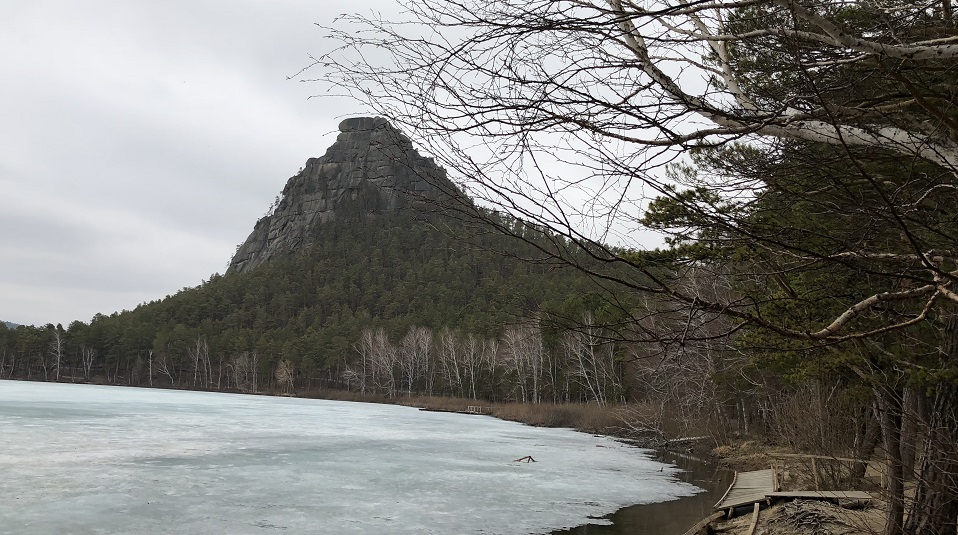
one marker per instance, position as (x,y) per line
(370,157)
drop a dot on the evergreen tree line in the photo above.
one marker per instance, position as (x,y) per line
(521,364)
(307,321)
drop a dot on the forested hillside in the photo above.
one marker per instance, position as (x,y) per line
(371,272)
(344,313)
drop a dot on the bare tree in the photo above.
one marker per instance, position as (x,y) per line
(149,357)
(424,343)
(524,355)
(414,355)
(592,358)
(562,112)
(57,348)
(365,348)
(612,87)
(241,369)
(199,353)
(472,355)
(449,354)
(491,366)
(253,370)
(384,363)
(165,366)
(87,358)
(285,375)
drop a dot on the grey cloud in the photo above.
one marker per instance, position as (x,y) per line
(140,141)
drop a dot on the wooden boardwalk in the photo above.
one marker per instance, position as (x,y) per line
(748,488)
(753,488)
(762,486)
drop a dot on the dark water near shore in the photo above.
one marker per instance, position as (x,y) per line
(668,518)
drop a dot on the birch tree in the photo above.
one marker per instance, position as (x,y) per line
(239,367)
(491,366)
(384,362)
(57,348)
(414,352)
(87,358)
(199,354)
(149,367)
(163,364)
(365,348)
(285,375)
(449,355)
(590,356)
(524,357)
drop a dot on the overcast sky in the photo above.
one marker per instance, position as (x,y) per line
(141,140)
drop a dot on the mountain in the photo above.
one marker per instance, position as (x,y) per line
(10,325)
(369,158)
(359,251)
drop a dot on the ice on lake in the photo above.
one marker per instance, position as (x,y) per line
(85,459)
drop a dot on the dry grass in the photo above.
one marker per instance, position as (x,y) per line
(744,455)
(590,418)
(616,420)
(345,395)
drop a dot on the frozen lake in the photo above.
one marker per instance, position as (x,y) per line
(85,459)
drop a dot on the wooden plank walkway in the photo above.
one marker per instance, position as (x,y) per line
(823,495)
(754,523)
(748,488)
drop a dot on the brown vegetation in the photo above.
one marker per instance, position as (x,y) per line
(585,417)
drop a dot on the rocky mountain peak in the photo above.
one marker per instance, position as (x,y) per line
(369,157)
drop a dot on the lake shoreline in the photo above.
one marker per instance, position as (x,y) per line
(667,518)
(700,467)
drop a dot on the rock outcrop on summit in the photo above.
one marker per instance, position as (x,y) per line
(369,157)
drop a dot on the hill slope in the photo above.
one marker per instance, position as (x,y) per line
(356,258)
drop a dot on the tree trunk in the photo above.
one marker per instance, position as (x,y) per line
(864,448)
(910,425)
(891,440)
(935,508)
